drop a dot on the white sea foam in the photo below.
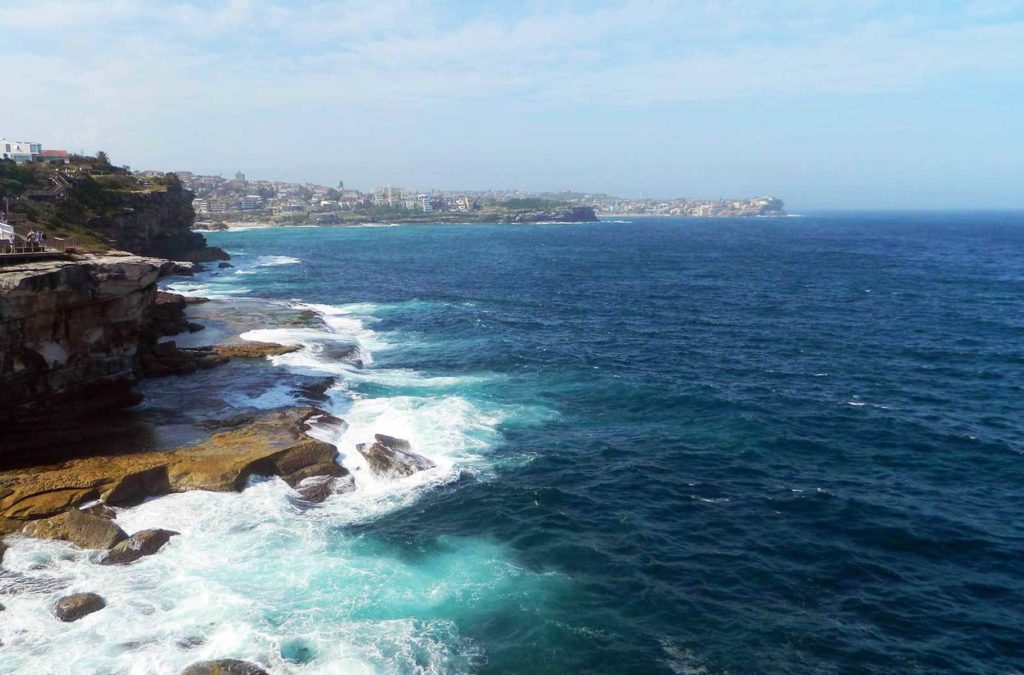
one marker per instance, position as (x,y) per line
(276,260)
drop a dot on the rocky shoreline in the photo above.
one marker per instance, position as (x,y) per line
(78,336)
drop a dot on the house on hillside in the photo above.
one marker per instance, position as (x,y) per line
(54,157)
(19,151)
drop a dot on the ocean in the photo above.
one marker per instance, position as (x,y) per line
(687,446)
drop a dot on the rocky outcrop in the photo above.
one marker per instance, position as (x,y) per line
(224,667)
(69,336)
(572,214)
(153,223)
(77,605)
(140,544)
(35,500)
(392,457)
(254,350)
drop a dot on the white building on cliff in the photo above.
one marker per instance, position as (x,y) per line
(19,151)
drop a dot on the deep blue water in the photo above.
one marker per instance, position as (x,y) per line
(787,446)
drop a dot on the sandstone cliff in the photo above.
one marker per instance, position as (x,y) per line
(154,223)
(69,337)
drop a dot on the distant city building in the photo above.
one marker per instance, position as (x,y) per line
(252,203)
(20,151)
(240,177)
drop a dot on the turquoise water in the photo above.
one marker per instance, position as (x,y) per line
(666,446)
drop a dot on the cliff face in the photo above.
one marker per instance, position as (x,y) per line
(69,336)
(152,223)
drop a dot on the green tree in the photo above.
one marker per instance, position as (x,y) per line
(102,158)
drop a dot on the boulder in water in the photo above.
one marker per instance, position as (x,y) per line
(89,531)
(316,489)
(390,456)
(77,605)
(224,667)
(142,543)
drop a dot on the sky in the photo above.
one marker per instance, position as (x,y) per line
(824,103)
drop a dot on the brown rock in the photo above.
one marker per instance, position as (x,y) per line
(142,543)
(275,444)
(88,531)
(47,528)
(224,667)
(74,607)
(254,350)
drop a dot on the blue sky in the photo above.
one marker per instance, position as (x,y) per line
(826,103)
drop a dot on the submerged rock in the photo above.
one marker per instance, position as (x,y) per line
(298,651)
(142,543)
(224,667)
(74,607)
(390,456)
(16,583)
